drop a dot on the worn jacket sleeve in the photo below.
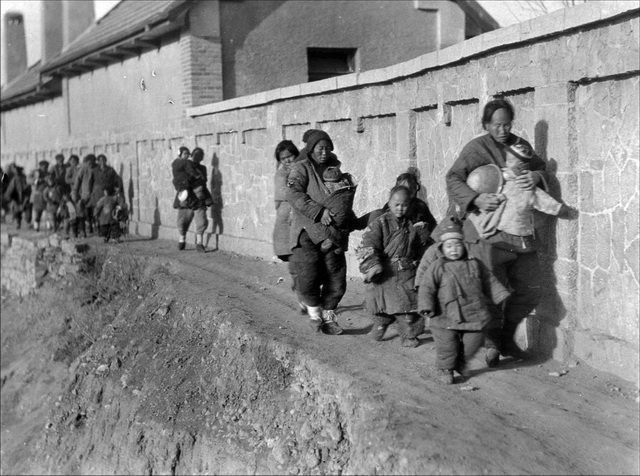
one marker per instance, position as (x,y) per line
(428,291)
(297,194)
(457,188)
(429,257)
(371,248)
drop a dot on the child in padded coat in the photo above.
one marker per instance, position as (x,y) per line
(454,293)
(388,257)
(339,203)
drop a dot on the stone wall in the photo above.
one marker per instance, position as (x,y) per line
(573,78)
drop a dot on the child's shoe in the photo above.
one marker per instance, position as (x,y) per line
(444,376)
(303,307)
(409,342)
(377,332)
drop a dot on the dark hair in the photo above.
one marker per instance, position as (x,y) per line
(307,133)
(59,157)
(43,163)
(286,145)
(110,189)
(492,106)
(398,189)
(198,151)
(74,156)
(102,156)
(89,158)
(182,149)
(408,177)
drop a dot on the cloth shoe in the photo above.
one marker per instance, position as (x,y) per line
(315,315)
(409,342)
(200,248)
(444,376)
(181,245)
(377,332)
(492,357)
(316,324)
(330,326)
(303,308)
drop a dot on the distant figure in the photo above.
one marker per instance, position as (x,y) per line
(82,191)
(189,206)
(388,257)
(455,293)
(73,166)
(37,192)
(103,176)
(17,194)
(59,171)
(67,216)
(217,225)
(106,214)
(53,197)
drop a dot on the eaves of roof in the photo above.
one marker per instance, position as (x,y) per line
(129,28)
(28,88)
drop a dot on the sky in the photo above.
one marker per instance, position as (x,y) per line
(505,12)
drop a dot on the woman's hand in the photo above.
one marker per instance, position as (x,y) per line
(487,202)
(326,218)
(527,180)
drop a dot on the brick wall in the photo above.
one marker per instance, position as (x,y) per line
(573,78)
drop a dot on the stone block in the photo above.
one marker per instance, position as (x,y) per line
(429,61)
(500,38)
(552,94)
(612,9)
(290,92)
(42,243)
(548,24)
(582,15)
(588,241)
(603,223)
(317,87)
(272,95)
(347,81)
(586,204)
(471,47)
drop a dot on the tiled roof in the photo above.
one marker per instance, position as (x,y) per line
(23,83)
(126,19)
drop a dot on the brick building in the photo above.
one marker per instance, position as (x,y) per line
(149,61)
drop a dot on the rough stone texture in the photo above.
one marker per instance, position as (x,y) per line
(575,94)
(26,261)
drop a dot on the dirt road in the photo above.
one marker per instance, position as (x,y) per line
(523,417)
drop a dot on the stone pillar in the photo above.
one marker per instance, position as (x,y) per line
(201,56)
(16,49)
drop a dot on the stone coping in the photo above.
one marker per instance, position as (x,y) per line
(526,32)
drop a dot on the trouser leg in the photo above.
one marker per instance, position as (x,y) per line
(447,347)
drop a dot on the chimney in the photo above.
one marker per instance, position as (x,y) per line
(15,44)
(77,16)
(51,29)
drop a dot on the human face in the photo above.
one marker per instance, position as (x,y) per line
(102,162)
(499,127)
(321,151)
(185,154)
(286,157)
(453,249)
(398,204)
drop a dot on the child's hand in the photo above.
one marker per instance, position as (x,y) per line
(326,217)
(419,224)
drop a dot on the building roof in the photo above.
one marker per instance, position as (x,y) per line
(27,88)
(127,20)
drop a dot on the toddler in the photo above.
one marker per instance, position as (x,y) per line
(339,202)
(515,213)
(388,258)
(53,197)
(454,293)
(66,215)
(109,227)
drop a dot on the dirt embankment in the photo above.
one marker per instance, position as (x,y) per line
(166,363)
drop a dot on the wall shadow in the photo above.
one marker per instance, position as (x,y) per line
(215,187)
(543,324)
(157,221)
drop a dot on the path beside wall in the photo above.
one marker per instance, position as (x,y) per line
(573,78)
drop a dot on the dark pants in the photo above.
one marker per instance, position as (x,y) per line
(454,348)
(519,272)
(110,231)
(410,325)
(320,277)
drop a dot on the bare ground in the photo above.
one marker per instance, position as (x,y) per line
(205,366)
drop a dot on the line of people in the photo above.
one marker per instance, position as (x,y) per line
(474,277)
(69,197)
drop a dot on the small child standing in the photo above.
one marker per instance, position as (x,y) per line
(454,293)
(52,196)
(388,258)
(109,225)
(66,215)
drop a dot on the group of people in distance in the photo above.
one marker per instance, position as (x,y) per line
(474,276)
(74,198)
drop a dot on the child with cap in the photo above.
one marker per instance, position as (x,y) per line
(455,292)
(515,213)
(388,257)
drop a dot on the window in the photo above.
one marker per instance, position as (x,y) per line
(329,62)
